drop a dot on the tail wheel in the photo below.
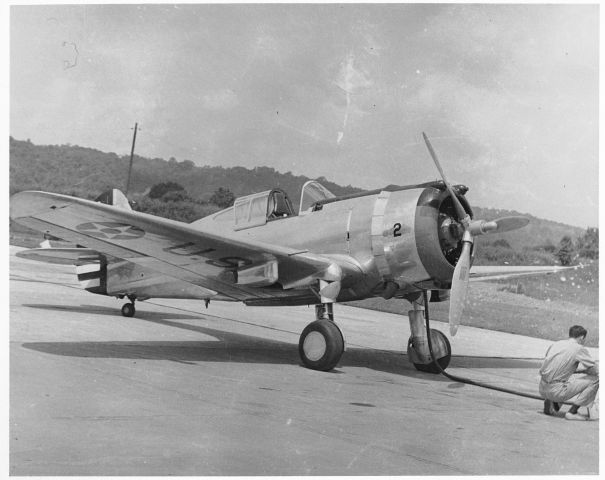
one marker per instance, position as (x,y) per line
(128,310)
(418,352)
(321,345)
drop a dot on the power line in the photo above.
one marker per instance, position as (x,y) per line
(134,138)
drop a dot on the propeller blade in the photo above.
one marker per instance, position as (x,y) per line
(462,215)
(459,287)
(505,224)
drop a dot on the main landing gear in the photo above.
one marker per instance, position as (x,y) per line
(418,345)
(128,309)
(321,343)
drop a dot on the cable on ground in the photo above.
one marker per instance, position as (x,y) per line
(468,381)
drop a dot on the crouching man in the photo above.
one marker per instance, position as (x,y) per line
(562,380)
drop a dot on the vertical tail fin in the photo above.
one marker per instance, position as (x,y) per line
(114,197)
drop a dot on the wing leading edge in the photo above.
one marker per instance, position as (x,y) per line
(495,272)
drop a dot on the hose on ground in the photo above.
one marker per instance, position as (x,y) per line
(461,379)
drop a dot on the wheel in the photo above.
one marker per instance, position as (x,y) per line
(321,345)
(128,309)
(419,355)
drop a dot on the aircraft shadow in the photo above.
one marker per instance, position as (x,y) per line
(115,312)
(19,278)
(239,348)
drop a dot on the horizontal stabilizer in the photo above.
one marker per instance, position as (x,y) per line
(62,256)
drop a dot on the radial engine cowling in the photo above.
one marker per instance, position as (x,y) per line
(416,236)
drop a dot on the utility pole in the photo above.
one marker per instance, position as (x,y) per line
(134,139)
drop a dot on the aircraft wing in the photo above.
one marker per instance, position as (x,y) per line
(226,265)
(496,272)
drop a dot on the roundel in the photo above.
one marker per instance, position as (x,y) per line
(111,230)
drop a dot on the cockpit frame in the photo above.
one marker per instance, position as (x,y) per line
(259,208)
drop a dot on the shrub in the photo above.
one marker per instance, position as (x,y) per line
(161,189)
(566,251)
(588,244)
(175,196)
(223,197)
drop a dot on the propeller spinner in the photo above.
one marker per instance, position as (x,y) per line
(472,228)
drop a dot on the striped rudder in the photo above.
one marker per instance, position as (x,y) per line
(93,277)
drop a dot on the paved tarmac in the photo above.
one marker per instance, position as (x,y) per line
(181,390)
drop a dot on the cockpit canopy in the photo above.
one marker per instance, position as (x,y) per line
(259,208)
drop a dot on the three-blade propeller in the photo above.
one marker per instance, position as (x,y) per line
(472,228)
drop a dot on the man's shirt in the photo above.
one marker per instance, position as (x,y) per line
(562,359)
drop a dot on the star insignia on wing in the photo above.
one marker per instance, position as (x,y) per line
(111,230)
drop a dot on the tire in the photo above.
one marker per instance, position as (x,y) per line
(128,310)
(437,337)
(321,345)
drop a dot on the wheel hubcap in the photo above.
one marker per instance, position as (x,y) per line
(314,346)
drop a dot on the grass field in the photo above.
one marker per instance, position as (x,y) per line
(580,285)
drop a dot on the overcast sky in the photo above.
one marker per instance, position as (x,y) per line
(507,93)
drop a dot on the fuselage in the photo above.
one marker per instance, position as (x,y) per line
(392,236)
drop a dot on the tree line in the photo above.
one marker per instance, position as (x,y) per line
(568,251)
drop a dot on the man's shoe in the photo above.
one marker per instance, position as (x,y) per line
(574,416)
(593,411)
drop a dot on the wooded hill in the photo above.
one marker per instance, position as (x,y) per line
(87,172)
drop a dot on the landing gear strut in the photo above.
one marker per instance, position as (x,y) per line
(418,345)
(321,343)
(128,309)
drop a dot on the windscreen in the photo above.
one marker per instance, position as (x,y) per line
(313,192)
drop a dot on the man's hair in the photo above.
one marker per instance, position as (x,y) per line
(577,331)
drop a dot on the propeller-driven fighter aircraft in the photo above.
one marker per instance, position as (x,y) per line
(395,242)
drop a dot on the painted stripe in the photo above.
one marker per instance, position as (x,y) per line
(95,282)
(92,276)
(88,267)
(349,230)
(89,275)
(377,235)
